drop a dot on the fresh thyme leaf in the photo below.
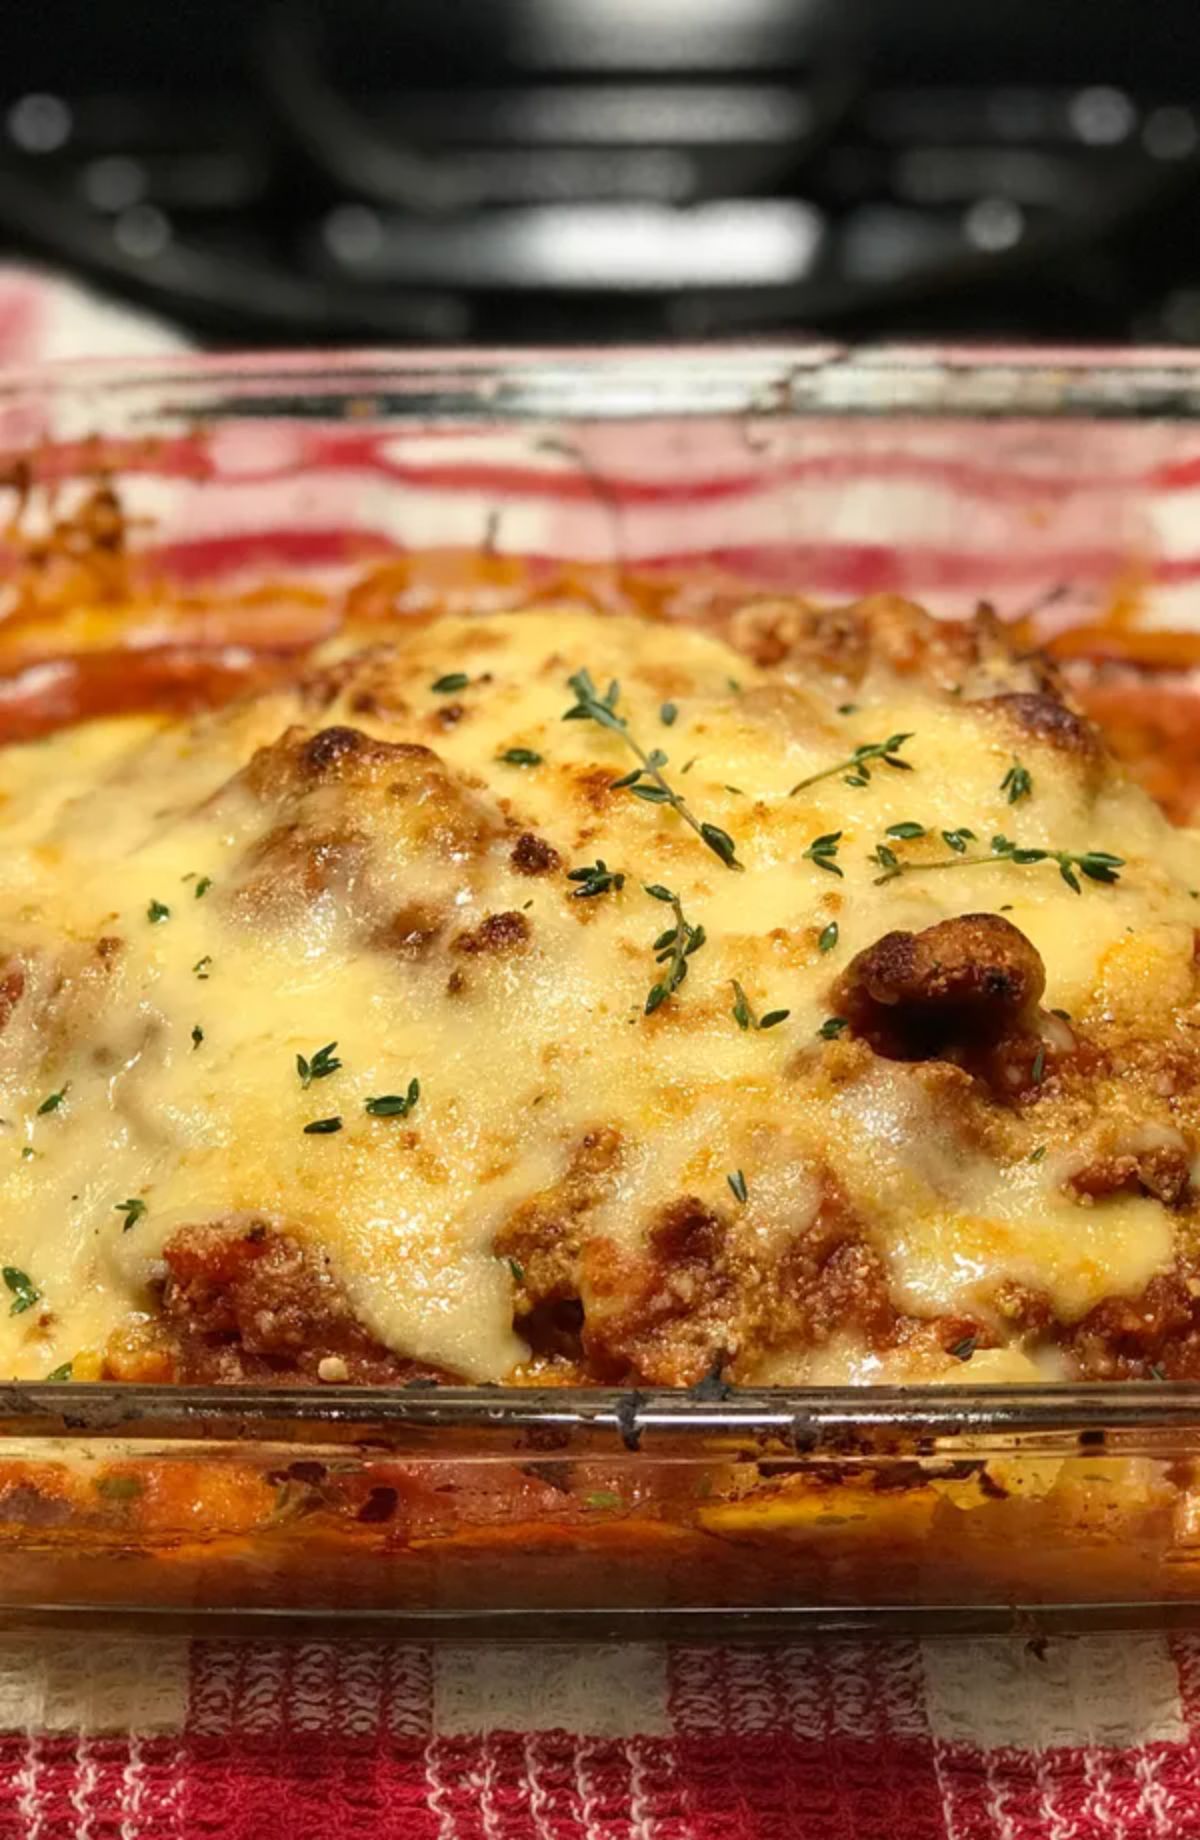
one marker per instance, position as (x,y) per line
(517,1270)
(598,878)
(323,1063)
(887,859)
(847,709)
(648,782)
(452,681)
(1064,1013)
(28,1153)
(322,1127)
(24,1294)
(962,1351)
(774,1017)
(157,912)
(197,1036)
(1038,1069)
(856,779)
(857,764)
(906,831)
(53,1100)
(1035,1156)
(203,966)
(737,1183)
(394,1105)
(832,1027)
(672,948)
(829,937)
(132,1210)
(1017,783)
(203,886)
(58,1374)
(667,715)
(822,850)
(519,757)
(959,839)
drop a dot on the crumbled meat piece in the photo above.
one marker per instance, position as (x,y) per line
(534,856)
(497,933)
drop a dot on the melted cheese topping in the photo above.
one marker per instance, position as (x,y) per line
(289,895)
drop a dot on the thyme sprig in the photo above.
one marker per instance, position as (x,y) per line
(647,781)
(1096,865)
(745,1017)
(672,948)
(1017,783)
(857,765)
(323,1063)
(822,851)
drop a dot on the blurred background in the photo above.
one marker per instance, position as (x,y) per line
(430,171)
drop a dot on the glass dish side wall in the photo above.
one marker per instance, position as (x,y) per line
(1066,487)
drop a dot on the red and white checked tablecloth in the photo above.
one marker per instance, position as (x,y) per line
(148,1737)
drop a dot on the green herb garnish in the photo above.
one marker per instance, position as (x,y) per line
(394,1105)
(647,781)
(857,764)
(832,1027)
(598,878)
(202,967)
(452,681)
(322,1127)
(24,1294)
(1035,1156)
(1017,783)
(132,1210)
(822,850)
(905,831)
(60,1373)
(323,1063)
(519,757)
(517,1270)
(203,886)
(667,715)
(745,1017)
(672,948)
(52,1101)
(157,911)
(829,937)
(1096,865)
(197,1036)
(737,1183)
(1038,1069)
(962,1351)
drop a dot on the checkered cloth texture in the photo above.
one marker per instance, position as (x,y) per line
(148,1737)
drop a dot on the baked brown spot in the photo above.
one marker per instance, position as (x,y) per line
(665,1316)
(12,989)
(498,933)
(534,856)
(1162,1170)
(245,1302)
(542,1240)
(1045,717)
(965,982)
(410,931)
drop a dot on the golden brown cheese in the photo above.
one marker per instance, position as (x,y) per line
(373,861)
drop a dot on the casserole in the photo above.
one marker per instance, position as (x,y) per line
(706,477)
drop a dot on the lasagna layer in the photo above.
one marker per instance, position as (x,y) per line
(560,996)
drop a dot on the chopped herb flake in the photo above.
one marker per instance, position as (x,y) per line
(737,1183)
(829,937)
(197,1036)
(322,1127)
(598,878)
(394,1105)
(52,1101)
(24,1295)
(452,681)
(323,1063)
(832,1027)
(157,912)
(1035,1156)
(132,1210)
(203,886)
(519,757)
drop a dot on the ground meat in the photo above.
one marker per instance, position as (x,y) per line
(665,1316)
(534,856)
(1153,1336)
(965,984)
(244,1302)
(542,1241)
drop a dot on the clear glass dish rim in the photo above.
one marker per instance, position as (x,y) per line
(755,379)
(750,379)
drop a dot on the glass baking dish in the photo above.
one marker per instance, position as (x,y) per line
(1054,485)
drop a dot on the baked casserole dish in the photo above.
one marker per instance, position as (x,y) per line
(475,971)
